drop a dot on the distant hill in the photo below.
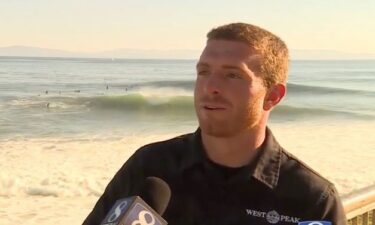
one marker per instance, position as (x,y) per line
(149,54)
(296,54)
(35,52)
(117,53)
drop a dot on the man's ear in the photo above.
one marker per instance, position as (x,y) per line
(274,96)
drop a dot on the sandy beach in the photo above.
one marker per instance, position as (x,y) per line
(57,181)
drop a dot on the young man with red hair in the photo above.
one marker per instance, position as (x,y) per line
(231,170)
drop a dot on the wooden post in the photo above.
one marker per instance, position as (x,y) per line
(365,219)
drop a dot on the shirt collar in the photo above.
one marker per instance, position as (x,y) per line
(265,168)
(195,152)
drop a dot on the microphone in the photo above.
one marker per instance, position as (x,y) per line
(135,211)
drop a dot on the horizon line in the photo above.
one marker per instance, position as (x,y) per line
(156,49)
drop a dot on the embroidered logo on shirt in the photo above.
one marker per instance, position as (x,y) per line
(274,217)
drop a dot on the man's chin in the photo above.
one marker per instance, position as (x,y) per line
(225,129)
(216,130)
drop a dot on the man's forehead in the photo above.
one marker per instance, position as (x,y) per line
(235,49)
(230,51)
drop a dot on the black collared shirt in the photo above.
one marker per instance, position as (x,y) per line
(276,188)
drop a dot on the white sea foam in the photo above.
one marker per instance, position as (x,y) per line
(25,102)
(164,92)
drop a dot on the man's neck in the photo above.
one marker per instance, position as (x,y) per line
(234,151)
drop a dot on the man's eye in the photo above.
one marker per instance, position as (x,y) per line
(202,73)
(234,76)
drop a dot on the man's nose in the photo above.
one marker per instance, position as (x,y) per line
(214,84)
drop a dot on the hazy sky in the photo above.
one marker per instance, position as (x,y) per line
(94,25)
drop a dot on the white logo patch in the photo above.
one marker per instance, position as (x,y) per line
(272,216)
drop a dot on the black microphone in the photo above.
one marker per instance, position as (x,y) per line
(135,211)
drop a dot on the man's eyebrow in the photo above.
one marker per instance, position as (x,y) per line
(233,67)
(201,64)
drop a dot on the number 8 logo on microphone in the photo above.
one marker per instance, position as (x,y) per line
(115,215)
(142,220)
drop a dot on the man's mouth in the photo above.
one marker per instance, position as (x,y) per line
(211,108)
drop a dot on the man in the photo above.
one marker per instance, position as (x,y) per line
(231,170)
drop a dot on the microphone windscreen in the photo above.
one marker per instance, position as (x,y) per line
(156,193)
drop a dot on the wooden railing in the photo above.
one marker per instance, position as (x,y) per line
(360,206)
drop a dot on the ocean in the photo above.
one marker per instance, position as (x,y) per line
(67,125)
(48,97)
